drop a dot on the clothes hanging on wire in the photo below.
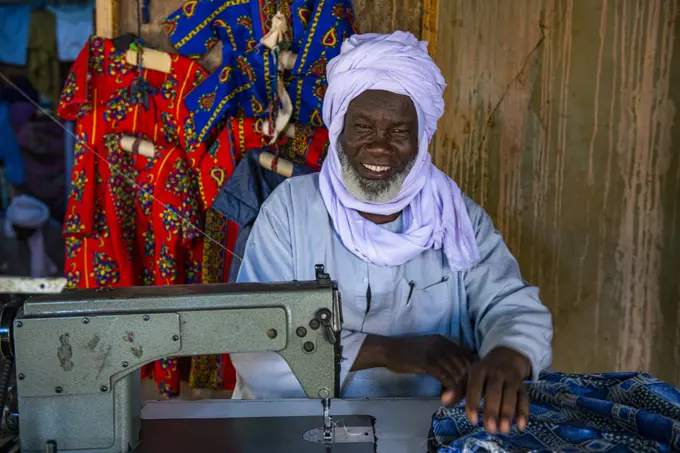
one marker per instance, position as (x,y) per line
(74,27)
(245,84)
(131,219)
(14,22)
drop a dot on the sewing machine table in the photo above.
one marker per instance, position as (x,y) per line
(401,425)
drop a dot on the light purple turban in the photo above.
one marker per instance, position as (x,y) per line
(434,212)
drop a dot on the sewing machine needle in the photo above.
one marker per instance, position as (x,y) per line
(327,422)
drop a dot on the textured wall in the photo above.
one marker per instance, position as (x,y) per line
(560,123)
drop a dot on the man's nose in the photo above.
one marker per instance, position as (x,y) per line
(379,145)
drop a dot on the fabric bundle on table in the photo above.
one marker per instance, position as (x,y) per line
(614,412)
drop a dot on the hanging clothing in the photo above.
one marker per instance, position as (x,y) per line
(74,27)
(610,412)
(308,147)
(119,233)
(43,66)
(245,84)
(10,153)
(240,199)
(14,20)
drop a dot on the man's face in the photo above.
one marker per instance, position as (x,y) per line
(379,145)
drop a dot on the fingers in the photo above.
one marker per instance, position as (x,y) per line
(454,366)
(508,407)
(454,394)
(522,407)
(449,397)
(475,387)
(493,395)
(443,377)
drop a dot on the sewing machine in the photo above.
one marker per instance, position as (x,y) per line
(78,353)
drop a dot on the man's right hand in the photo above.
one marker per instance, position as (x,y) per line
(433,355)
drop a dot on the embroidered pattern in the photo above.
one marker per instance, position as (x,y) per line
(244,85)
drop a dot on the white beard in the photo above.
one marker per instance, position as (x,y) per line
(379,191)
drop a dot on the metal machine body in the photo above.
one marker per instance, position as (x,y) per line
(78,354)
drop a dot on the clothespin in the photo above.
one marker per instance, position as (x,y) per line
(276,164)
(276,33)
(288,131)
(136,145)
(273,40)
(151,59)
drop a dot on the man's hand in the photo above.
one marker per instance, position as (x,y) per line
(499,378)
(428,354)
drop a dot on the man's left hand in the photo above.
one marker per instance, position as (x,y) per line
(499,378)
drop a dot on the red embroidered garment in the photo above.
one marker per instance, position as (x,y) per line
(117,234)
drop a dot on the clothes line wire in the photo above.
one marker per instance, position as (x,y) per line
(113,166)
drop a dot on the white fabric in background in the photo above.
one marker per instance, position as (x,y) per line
(74,27)
(29,212)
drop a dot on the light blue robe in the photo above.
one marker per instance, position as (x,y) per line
(483,308)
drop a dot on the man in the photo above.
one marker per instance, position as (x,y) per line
(432,298)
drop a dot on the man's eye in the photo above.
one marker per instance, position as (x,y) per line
(400,132)
(362,126)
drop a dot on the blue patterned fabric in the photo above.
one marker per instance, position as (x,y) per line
(245,84)
(615,412)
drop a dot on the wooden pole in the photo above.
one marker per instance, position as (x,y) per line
(430,25)
(106,18)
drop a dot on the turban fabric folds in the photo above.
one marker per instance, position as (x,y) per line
(432,205)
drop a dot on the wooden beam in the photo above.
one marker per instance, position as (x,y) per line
(106,18)
(430,25)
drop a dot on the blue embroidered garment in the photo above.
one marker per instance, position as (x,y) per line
(245,84)
(615,412)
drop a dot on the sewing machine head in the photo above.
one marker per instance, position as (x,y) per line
(78,354)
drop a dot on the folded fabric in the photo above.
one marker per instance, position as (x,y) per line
(74,27)
(10,153)
(14,21)
(613,412)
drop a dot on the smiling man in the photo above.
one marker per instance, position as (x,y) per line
(433,301)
